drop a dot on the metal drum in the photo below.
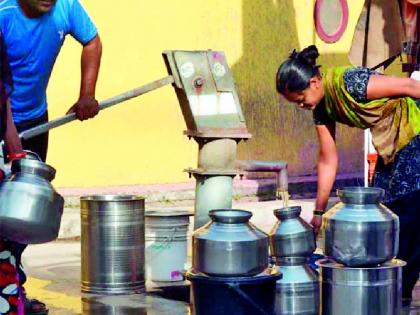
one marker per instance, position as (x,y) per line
(112,244)
(229,245)
(361,291)
(291,236)
(360,231)
(297,292)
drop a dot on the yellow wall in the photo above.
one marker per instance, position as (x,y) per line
(141,141)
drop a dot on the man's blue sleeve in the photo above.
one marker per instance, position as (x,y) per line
(81,26)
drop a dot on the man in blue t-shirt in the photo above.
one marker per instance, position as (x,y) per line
(33,32)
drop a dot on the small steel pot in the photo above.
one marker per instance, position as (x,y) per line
(230,245)
(291,236)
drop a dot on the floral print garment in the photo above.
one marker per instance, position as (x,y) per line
(10,293)
(403,175)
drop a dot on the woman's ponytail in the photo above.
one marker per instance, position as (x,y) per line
(294,74)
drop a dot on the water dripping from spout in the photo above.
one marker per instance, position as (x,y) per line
(284,195)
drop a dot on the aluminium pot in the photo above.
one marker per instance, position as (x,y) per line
(359,230)
(229,245)
(30,208)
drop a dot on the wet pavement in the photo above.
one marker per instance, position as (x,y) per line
(54,277)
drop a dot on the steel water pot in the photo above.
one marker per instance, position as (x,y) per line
(291,236)
(30,208)
(359,230)
(230,245)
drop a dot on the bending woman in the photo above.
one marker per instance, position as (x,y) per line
(359,97)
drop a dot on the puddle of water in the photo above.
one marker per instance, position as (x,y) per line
(138,304)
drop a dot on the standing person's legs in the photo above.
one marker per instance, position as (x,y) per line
(408,210)
(10,298)
(39,145)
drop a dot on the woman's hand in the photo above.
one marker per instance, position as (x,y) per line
(316,223)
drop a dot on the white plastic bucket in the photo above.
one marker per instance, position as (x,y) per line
(166,235)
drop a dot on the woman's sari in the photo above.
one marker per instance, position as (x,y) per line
(393,122)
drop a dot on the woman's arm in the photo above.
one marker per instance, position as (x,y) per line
(327,164)
(388,86)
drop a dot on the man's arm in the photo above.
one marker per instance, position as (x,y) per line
(87,106)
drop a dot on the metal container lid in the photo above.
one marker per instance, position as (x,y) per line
(230,216)
(288,212)
(361,195)
(34,167)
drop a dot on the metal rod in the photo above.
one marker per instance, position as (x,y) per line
(102,105)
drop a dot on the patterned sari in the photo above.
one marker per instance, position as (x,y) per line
(393,122)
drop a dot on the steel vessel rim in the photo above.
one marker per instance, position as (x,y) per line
(112,197)
(361,195)
(267,273)
(287,212)
(331,264)
(366,190)
(230,216)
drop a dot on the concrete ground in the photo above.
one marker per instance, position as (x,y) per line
(54,272)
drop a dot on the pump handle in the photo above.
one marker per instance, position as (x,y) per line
(102,105)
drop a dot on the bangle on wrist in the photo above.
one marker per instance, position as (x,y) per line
(15,156)
(319,212)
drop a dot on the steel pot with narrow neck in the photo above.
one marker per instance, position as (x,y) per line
(291,235)
(230,245)
(30,208)
(359,230)
(297,292)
